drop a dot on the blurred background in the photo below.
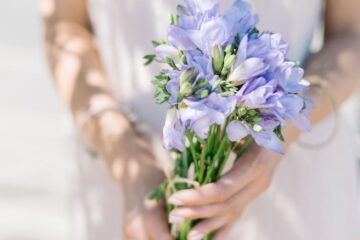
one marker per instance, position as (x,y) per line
(35,129)
(33,133)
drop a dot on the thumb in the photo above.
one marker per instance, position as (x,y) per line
(158,226)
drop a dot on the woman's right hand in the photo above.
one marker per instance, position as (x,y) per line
(129,157)
(146,220)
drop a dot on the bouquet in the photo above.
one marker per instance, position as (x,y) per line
(227,84)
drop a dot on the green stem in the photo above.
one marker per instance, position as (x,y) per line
(185,229)
(202,162)
(223,163)
(192,150)
(211,139)
(244,147)
(209,173)
(218,157)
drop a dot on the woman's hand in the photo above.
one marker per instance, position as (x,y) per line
(131,163)
(221,204)
(144,219)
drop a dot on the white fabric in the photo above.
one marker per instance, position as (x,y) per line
(313,194)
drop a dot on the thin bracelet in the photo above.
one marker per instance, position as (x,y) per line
(323,86)
(95,111)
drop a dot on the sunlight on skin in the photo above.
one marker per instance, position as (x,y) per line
(82,83)
(95,78)
(133,169)
(67,68)
(47,8)
(118,170)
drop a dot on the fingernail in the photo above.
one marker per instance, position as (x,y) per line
(176,218)
(195,236)
(175,201)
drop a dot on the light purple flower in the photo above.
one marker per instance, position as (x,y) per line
(267,81)
(201,114)
(209,7)
(204,27)
(246,70)
(267,137)
(210,33)
(173,131)
(240,19)
(236,131)
(179,38)
(259,94)
(291,78)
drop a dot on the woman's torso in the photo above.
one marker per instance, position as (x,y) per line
(313,194)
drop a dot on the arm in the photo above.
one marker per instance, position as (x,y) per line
(222,203)
(75,64)
(82,85)
(337,65)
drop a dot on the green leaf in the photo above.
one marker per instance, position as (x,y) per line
(257,118)
(171,63)
(237,39)
(156,43)
(149,59)
(182,10)
(254,31)
(171,19)
(278,132)
(159,192)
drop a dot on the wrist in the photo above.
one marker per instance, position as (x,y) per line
(107,130)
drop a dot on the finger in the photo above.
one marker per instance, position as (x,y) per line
(136,230)
(157,226)
(224,232)
(244,172)
(239,201)
(206,227)
(198,212)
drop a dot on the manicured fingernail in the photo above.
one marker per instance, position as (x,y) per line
(195,236)
(175,201)
(176,218)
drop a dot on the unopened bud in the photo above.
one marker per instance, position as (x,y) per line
(188,76)
(224,72)
(185,89)
(217,58)
(201,84)
(229,61)
(216,85)
(183,59)
(229,48)
(204,94)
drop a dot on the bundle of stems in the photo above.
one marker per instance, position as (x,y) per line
(208,158)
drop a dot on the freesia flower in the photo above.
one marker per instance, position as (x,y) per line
(173,131)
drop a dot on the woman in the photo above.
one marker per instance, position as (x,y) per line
(95,50)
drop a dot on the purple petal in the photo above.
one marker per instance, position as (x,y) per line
(180,39)
(163,51)
(173,132)
(252,67)
(236,131)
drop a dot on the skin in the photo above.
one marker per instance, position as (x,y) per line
(82,84)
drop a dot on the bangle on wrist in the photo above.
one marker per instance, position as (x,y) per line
(96,111)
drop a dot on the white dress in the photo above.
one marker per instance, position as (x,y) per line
(313,195)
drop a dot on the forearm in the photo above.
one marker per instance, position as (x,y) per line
(336,67)
(80,77)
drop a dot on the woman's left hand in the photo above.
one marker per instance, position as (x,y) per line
(221,204)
